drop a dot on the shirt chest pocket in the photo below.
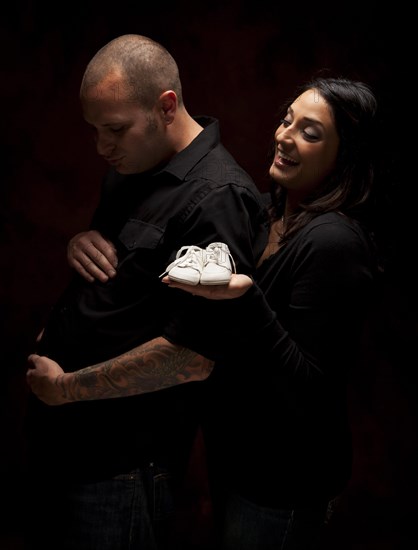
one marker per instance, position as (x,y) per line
(141,246)
(138,234)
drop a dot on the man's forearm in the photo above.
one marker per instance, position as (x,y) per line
(153,366)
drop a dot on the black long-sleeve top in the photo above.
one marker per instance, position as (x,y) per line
(200,196)
(276,418)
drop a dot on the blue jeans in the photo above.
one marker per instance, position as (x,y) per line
(248,526)
(130,511)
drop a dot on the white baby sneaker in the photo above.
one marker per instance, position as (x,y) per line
(188,265)
(218,265)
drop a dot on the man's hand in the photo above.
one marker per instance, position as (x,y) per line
(237,286)
(43,376)
(92,256)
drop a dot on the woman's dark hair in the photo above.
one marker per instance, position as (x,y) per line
(349,188)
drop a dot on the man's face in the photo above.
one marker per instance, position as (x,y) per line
(130,138)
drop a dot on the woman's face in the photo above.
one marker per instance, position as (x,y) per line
(306,145)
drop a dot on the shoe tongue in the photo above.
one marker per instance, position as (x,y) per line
(211,254)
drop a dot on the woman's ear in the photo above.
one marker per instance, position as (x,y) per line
(168,105)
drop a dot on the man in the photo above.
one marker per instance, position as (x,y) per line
(107,470)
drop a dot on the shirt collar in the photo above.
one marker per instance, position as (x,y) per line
(184,161)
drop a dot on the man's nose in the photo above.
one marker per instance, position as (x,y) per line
(104,145)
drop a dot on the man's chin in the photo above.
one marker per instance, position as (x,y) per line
(123,169)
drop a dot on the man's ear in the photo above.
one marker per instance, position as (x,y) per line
(168,105)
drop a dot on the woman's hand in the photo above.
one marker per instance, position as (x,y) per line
(237,286)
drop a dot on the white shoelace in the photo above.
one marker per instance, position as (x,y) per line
(192,258)
(213,254)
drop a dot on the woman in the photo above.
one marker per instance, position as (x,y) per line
(275,412)
(277,428)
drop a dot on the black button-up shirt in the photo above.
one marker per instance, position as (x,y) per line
(201,196)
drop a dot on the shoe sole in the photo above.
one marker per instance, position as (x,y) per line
(183,281)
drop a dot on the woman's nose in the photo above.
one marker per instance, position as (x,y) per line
(284,134)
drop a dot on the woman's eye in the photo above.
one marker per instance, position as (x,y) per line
(117,129)
(310,136)
(285,122)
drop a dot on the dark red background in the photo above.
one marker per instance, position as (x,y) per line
(237,63)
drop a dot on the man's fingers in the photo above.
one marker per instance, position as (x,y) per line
(107,252)
(35,363)
(31,362)
(90,272)
(92,256)
(105,263)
